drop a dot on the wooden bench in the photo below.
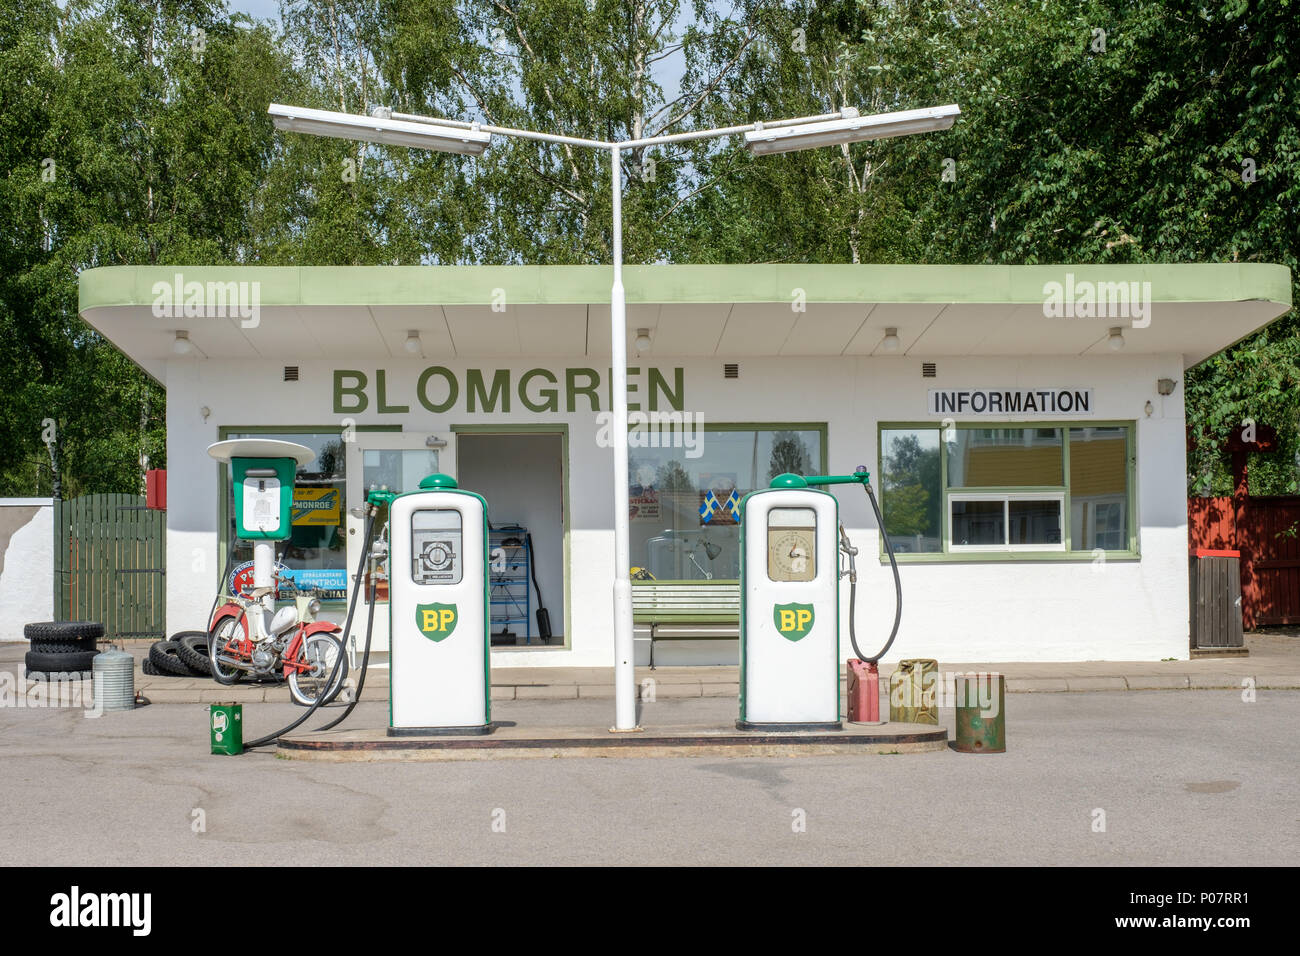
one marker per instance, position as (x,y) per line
(687,610)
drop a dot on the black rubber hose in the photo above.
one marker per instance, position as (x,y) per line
(853,588)
(365,662)
(532,567)
(347,626)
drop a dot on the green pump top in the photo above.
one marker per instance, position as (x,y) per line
(438,481)
(861,477)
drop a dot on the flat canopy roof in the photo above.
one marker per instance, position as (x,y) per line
(723,311)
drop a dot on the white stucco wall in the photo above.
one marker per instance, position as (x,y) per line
(26,577)
(962,611)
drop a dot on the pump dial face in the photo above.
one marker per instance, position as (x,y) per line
(790,554)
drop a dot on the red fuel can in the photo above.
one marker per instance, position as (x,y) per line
(863,692)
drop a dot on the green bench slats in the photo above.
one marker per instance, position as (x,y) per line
(696,610)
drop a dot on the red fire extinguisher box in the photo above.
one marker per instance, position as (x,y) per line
(155,489)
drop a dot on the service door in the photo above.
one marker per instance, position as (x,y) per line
(398,461)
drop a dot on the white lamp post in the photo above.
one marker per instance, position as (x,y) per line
(457,136)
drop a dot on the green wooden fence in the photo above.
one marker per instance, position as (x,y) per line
(109,564)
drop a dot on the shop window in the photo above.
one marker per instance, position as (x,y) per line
(1005,522)
(684,501)
(1003,457)
(1099,489)
(960,489)
(911,484)
(315,554)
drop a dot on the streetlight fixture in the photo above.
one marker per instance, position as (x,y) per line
(466,141)
(458,136)
(850,128)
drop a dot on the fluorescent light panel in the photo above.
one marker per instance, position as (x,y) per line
(785,139)
(370,129)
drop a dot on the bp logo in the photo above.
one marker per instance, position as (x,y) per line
(436,621)
(793,621)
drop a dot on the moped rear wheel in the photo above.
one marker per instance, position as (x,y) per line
(227,630)
(319,652)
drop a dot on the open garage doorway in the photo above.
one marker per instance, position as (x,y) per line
(521,474)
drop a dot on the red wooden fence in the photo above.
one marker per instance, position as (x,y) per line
(1267,533)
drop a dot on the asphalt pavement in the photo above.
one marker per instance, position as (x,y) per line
(1132,778)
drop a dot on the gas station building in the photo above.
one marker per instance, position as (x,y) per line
(1023,426)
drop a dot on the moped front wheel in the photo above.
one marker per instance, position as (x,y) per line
(319,652)
(227,631)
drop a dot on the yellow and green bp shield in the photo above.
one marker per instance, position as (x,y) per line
(793,621)
(436,621)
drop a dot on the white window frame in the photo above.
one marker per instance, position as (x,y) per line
(1006,498)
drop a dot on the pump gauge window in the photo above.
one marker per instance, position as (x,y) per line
(436,547)
(791,544)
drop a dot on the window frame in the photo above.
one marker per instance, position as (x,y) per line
(991,553)
(1006,497)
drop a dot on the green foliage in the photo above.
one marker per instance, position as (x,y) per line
(1093,131)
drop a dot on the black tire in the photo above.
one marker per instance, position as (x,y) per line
(163,655)
(62,675)
(147,668)
(192,649)
(63,631)
(57,663)
(64,647)
(223,632)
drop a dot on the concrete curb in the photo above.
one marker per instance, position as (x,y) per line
(161,690)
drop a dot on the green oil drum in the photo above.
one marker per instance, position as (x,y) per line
(913,692)
(981,713)
(226,725)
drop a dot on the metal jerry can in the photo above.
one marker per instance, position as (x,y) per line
(439,679)
(789,620)
(226,727)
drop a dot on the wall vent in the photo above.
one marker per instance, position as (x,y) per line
(929,370)
(291,373)
(731,370)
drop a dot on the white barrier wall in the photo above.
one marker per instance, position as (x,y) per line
(26,564)
(957,611)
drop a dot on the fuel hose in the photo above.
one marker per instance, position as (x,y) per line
(347,626)
(853,583)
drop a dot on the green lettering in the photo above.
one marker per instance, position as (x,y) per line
(476,391)
(572,390)
(381,393)
(422,389)
(632,387)
(550,397)
(358,391)
(659,384)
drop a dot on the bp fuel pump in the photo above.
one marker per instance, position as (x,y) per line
(791,540)
(438,611)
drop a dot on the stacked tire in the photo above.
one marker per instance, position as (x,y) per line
(61,649)
(185,655)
